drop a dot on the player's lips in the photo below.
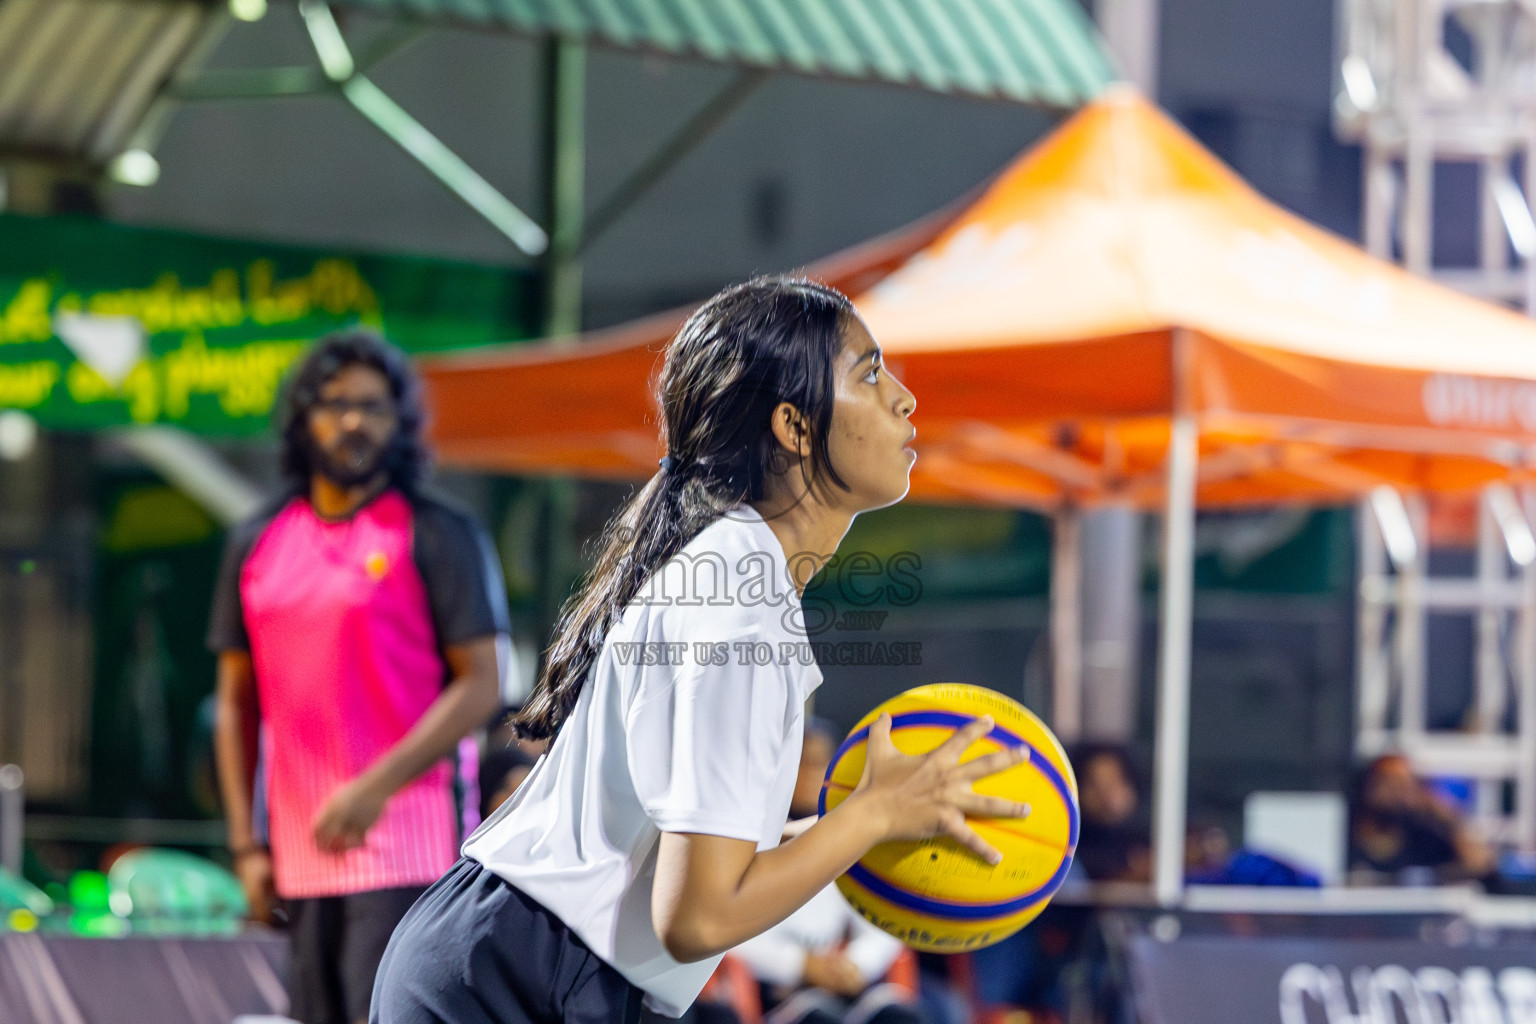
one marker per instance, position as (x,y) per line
(908,446)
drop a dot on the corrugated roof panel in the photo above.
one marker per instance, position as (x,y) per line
(1083,60)
(708,37)
(525,13)
(645,19)
(840,51)
(1051,73)
(965,65)
(567,16)
(161,56)
(1037,51)
(988,49)
(885,59)
(78,76)
(748,43)
(62,104)
(925,64)
(32,46)
(114,63)
(781,25)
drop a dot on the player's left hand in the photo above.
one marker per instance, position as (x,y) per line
(344,820)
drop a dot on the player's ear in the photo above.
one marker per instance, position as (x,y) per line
(791,430)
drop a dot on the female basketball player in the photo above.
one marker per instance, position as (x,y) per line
(645,843)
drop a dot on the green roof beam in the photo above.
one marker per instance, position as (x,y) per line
(216,84)
(687,138)
(412,136)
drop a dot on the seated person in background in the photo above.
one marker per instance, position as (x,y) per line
(502,770)
(1398,827)
(1207,849)
(1114,843)
(1025,970)
(823,963)
(1210,860)
(507,760)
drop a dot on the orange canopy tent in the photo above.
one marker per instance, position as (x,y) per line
(1115,276)
(1118,318)
(585,408)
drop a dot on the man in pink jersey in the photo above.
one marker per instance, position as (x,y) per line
(360,624)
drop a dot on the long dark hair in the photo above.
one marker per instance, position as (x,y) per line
(754,345)
(407,462)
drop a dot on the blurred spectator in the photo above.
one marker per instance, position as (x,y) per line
(1025,969)
(824,963)
(1399,827)
(502,770)
(1114,843)
(360,625)
(1210,860)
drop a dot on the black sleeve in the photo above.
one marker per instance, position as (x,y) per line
(226,619)
(462,574)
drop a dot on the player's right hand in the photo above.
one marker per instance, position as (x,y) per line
(930,794)
(254,870)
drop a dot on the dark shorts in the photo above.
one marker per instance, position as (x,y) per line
(475,950)
(334,947)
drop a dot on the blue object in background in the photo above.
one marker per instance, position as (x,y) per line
(1517,866)
(1249,867)
(1459,793)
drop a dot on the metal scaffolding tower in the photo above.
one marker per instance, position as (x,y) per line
(1414,107)
(1495,741)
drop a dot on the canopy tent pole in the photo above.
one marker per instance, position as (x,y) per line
(1525,696)
(1130,29)
(1171,767)
(1066,624)
(1111,629)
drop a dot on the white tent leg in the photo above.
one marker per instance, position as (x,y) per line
(1111,630)
(1171,768)
(1066,625)
(1525,697)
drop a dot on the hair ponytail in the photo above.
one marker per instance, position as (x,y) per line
(743,352)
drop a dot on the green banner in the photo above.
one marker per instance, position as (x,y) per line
(103,325)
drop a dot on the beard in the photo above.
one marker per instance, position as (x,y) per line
(353,460)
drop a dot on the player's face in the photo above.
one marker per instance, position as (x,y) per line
(353,425)
(869,443)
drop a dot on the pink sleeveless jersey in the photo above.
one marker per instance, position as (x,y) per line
(346,662)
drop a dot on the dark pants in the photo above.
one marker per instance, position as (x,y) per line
(475,950)
(334,946)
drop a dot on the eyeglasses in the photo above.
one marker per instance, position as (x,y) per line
(369,408)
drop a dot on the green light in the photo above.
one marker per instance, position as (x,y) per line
(97,926)
(88,892)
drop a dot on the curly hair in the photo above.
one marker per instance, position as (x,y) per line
(407,462)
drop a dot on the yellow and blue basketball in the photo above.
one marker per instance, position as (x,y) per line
(934,894)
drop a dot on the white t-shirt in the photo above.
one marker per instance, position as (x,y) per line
(690,721)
